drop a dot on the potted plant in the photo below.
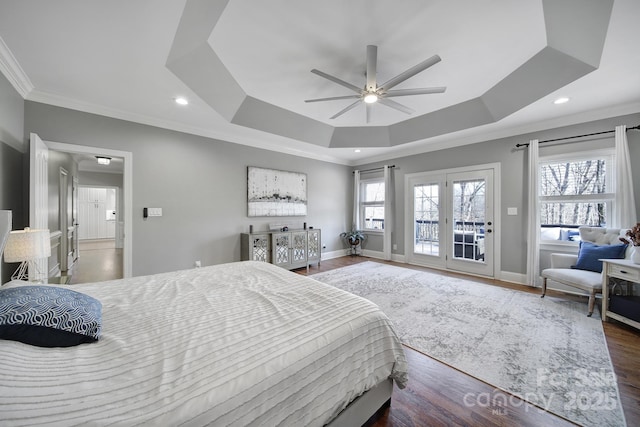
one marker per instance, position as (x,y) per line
(354,238)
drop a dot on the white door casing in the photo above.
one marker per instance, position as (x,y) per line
(127,177)
(38,198)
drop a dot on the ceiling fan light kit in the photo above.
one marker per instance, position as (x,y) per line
(373,93)
(370,98)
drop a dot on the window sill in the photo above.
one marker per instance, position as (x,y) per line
(564,246)
(373,231)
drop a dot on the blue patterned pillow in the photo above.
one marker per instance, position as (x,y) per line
(48,316)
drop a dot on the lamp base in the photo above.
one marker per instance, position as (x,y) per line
(22,272)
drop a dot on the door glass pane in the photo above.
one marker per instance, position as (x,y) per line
(469,209)
(426,204)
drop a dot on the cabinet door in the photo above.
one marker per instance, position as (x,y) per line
(259,247)
(299,248)
(281,244)
(314,246)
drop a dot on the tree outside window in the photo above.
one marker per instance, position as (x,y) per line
(372,204)
(574,193)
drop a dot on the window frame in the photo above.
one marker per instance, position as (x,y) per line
(364,204)
(609,198)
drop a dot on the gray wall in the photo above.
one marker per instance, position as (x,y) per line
(514,181)
(99,179)
(12,168)
(201,185)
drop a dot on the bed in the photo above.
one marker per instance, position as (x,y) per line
(244,343)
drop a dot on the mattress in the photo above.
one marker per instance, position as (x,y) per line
(240,344)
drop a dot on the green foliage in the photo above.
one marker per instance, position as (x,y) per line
(354,237)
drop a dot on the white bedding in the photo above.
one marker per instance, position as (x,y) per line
(236,344)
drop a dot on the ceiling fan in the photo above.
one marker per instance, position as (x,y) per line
(373,93)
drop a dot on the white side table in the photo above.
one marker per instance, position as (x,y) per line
(622,269)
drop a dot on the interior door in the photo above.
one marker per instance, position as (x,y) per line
(63,209)
(451,223)
(38,198)
(75,250)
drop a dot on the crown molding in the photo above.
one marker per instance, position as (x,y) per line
(251,141)
(455,139)
(12,70)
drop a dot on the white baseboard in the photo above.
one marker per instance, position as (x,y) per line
(511,277)
(380,255)
(335,254)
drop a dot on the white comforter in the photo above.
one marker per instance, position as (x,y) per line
(235,344)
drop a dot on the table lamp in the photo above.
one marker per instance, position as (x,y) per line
(27,247)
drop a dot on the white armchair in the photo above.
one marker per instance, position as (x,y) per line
(588,281)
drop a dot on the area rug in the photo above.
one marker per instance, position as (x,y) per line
(543,350)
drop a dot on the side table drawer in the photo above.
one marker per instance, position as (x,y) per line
(625,273)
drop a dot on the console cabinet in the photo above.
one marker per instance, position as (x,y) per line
(255,247)
(288,249)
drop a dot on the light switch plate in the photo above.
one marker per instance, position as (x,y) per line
(155,212)
(512,211)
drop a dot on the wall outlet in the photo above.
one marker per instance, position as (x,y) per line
(197,264)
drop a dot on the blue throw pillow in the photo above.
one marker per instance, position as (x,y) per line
(48,316)
(590,254)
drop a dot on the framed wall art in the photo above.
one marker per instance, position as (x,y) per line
(273,192)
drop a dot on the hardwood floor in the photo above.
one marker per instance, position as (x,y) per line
(439,395)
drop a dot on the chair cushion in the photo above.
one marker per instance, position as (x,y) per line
(590,254)
(583,279)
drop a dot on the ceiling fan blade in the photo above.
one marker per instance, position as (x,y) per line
(395,105)
(337,80)
(369,109)
(350,107)
(407,92)
(410,72)
(333,98)
(372,60)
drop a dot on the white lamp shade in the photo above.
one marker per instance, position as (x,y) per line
(27,245)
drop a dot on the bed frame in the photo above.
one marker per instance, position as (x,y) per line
(365,408)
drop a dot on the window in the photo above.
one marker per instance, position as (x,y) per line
(372,204)
(575,192)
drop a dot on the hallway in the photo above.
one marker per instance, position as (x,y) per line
(99,261)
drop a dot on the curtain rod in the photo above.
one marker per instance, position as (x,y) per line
(526,144)
(375,169)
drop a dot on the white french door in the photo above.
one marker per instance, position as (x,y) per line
(450,219)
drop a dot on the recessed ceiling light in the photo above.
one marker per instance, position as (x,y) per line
(182,101)
(561,100)
(357,150)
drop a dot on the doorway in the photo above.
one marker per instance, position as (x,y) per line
(451,217)
(38,190)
